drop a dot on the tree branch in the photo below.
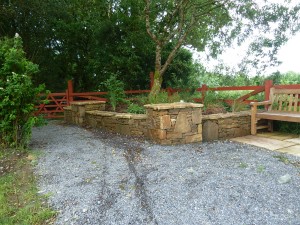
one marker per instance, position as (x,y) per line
(148,25)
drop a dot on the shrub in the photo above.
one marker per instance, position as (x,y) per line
(135,108)
(115,90)
(161,97)
(17,94)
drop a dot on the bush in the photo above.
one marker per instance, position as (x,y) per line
(135,108)
(161,97)
(17,94)
(115,90)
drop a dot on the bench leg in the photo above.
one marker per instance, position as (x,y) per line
(270,126)
(253,125)
(253,119)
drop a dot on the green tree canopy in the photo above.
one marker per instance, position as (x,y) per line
(211,25)
(88,41)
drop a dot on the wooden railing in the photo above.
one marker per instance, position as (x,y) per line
(53,108)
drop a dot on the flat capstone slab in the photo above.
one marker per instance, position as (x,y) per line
(175,105)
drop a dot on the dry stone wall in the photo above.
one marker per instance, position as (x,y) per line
(226,125)
(123,123)
(166,124)
(175,123)
(78,109)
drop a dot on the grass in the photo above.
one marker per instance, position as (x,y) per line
(260,168)
(19,200)
(282,158)
(243,165)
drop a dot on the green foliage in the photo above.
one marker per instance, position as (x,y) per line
(282,158)
(17,94)
(115,90)
(238,106)
(243,165)
(285,78)
(260,168)
(135,108)
(212,100)
(287,127)
(161,97)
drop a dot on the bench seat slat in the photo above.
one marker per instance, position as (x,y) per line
(281,116)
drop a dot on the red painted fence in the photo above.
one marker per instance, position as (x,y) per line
(53,108)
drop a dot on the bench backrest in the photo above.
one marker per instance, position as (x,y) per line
(285,100)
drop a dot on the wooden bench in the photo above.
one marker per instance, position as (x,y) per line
(283,106)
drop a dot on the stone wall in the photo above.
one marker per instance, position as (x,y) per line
(167,124)
(68,117)
(123,123)
(78,110)
(226,125)
(175,123)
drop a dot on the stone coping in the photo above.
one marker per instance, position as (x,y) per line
(175,105)
(226,115)
(100,113)
(118,115)
(67,108)
(87,102)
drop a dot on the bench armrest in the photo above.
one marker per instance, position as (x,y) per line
(260,103)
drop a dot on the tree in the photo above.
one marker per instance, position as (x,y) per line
(211,25)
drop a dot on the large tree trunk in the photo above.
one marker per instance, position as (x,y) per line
(157,74)
(156,85)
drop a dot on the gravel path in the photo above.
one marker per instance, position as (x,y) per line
(94,177)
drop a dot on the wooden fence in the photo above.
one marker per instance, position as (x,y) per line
(53,106)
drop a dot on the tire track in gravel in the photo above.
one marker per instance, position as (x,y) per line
(140,191)
(132,154)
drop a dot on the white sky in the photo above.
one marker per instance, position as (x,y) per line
(290,55)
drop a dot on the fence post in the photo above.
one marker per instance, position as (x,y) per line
(268,85)
(70,92)
(151,79)
(203,92)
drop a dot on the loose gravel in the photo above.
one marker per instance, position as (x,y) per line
(95,177)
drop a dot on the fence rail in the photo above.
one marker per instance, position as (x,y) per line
(55,102)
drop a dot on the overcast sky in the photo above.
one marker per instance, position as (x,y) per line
(290,55)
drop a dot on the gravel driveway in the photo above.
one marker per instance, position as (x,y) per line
(94,177)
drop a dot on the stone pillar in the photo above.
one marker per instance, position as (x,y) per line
(79,108)
(175,123)
(68,114)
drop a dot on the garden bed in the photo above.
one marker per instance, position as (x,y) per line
(172,123)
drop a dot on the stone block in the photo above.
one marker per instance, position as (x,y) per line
(182,125)
(197,116)
(156,134)
(81,111)
(174,135)
(123,129)
(165,142)
(165,122)
(173,111)
(162,134)
(229,126)
(210,130)
(193,138)
(91,121)
(199,128)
